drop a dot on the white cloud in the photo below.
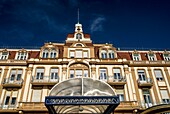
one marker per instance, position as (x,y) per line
(97,24)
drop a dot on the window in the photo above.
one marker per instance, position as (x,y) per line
(71,73)
(85,73)
(22,56)
(11,98)
(165,96)
(4,56)
(103,74)
(111,54)
(54,73)
(136,57)
(39,73)
(151,57)
(120,94)
(104,54)
(166,57)
(53,53)
(79,73)
(15,75)
(36,95)
(147,98)
(85,54)
(78,36)
(78,54)
(71,54)
(45,53)
(158,75)
(116,72)
(141,74)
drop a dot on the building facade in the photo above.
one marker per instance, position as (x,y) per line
(140,78)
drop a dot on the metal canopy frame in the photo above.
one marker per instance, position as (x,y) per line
(111,101)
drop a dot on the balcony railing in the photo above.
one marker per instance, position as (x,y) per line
(145,83)
(7,107)
(12,83)
(44,80)
(32,106)
(116,82)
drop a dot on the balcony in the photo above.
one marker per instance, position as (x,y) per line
(8,109)
(45,80)
(117,83)
(32,106)
(127,105)
(145,83)
(8,83)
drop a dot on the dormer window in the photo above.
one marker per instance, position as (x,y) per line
(4,55)
(136,56)
(45,53)
(103,54)
(111,54)
(151,57)
(53,53)
(78,36)
(22,55)
(166,56)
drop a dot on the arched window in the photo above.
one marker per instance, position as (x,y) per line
(53,53)
(78,36)
(45,53)
(111,54)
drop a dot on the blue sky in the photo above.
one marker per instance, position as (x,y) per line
(124,23)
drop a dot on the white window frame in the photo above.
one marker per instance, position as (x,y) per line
(142,75)
(158,74)
(72,54)
(54,74)
(40,73)
(21,55)
(72,73)
(4,55)
(85,54)
(103,74)
(79,53)
(103,54)
(120,94)
(117,74)
(111,54)
(136,57)
(165,96)
(147,98)
(152,58)
(45,53)
(53,53)
(166,56)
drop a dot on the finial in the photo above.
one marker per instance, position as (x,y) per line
(78,16)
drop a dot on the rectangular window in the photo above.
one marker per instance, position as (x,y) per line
(120,94)
(158,75)
(54,73)
(13,100)
(4,55)
(22,56)
(19,73)
(141,74)
(71,54)
(151,57)
(166,57)
(36,96)
(165,96)
(85,54)
(7,100)
(39,73)
(71,73)
(103,75)
(79,73)
(116,72)
(136,57)
(78,54)
(147,98)
(85,73)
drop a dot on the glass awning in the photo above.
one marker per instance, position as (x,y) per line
(82,95)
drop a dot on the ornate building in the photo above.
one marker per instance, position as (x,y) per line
(141,79)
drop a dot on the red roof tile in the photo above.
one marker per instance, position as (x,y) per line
(124,55)
(12,55)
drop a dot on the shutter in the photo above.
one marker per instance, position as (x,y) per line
(116,70)
(164,94)
(36,96)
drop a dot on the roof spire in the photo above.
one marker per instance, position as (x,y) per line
(78,15)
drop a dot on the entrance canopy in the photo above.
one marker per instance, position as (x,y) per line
(82,95)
